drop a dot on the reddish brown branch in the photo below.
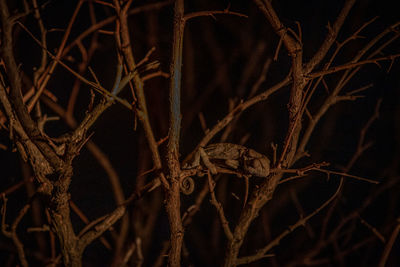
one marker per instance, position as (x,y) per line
(83,217)
(261,253)
(389,245)
(16,186)
(220,209)
(265,192)
(142,112)
(236,111)
(211,13)
(352,65)
(45,78)
(331,37)
(172,195)
(326,240)
(15,90)
(12,233)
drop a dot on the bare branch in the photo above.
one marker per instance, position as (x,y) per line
(100,226)
(220,209)
(173,194)
(389,245)
(262,252)
(212,13)
(352,65)
(13,233)
(331,37)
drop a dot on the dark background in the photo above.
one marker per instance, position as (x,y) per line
(217,56)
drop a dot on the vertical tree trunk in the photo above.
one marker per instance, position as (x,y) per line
(173,193)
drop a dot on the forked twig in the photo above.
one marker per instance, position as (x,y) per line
(301,222)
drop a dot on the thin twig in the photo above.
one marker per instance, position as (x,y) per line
(389,245)
(220,209)
(301,222)
(45,78)
(211,13)
(352,65)
(13,232)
